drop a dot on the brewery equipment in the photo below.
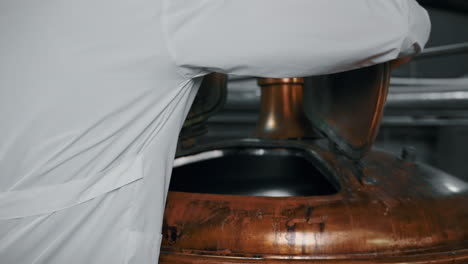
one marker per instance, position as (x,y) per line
(310,189)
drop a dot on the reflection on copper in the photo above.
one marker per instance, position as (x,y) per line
(349,111)
(282,113)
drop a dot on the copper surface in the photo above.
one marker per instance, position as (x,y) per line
(209,99)
(282,113)
(271,81)
(349,108)
(388,211)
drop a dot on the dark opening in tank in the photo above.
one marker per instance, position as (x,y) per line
(254,172)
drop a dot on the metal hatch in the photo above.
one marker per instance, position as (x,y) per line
(348,107)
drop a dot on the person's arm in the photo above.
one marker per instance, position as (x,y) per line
(286,38)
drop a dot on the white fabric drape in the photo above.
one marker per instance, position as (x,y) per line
(93,94)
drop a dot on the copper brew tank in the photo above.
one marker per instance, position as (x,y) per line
(327,198)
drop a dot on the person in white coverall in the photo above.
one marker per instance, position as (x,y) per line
(93,94)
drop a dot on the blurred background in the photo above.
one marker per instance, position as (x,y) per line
(427,106)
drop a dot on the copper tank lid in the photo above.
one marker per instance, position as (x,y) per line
(348,110)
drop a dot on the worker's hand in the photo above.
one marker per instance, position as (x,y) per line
(400,61)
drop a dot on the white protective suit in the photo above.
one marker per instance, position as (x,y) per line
(93,94)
